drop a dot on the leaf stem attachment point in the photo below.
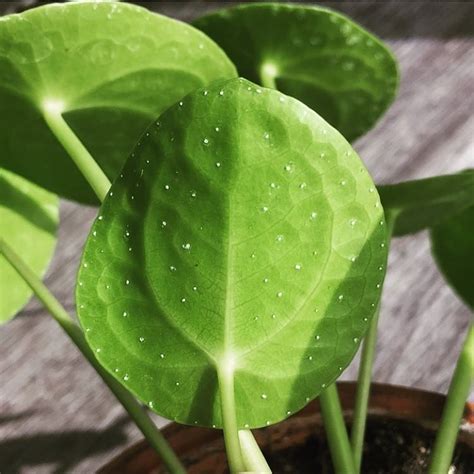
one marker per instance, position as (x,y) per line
(268,73)
(52,110)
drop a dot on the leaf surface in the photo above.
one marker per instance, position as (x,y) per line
(112,68)
(28,222)
(244,230)
(424,203)
(453,248)
(322,58)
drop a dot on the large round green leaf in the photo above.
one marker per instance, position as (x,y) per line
(453,247)
(423,203)
(110,67)
(28,221)
(316,55)
(244,230)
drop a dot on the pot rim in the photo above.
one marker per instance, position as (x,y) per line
(399,402)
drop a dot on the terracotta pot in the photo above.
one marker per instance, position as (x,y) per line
(202,449)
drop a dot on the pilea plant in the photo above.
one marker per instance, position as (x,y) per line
(316,55)
(259,253)
(238,257)
(104,70)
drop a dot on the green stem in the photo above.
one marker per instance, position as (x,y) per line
(365,375)
(453,409)
(134,409)
(229,418)
(336,432)
(52,113)
(253,457)
(363,390)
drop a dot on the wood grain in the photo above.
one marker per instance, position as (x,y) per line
(57,416)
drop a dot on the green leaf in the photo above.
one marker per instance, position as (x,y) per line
(29,219)
(452,244)
(244,230)
(111,68)
(423,203)
(314,54)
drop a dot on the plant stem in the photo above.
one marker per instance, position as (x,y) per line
(253,457)
(365,375)
(57,311)
(363,390)
(453,409)
(229,419)
(336,432)
(52,113)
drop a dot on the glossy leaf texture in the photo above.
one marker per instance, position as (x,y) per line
(111,67)
(244,228)
(319,56)
(29,218)
(419,204)
(453,248)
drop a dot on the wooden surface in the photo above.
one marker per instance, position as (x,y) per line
(57,416)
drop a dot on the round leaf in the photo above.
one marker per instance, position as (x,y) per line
(453,247)
(111,67)
(29,218)
(316,55)
(244,230)
(424,203)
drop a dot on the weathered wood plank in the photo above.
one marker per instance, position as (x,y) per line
(56,414)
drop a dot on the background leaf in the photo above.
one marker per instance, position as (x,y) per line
(453,248)
(114,66)
(28,222)
(317,55)
(423,203)
(243,227)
